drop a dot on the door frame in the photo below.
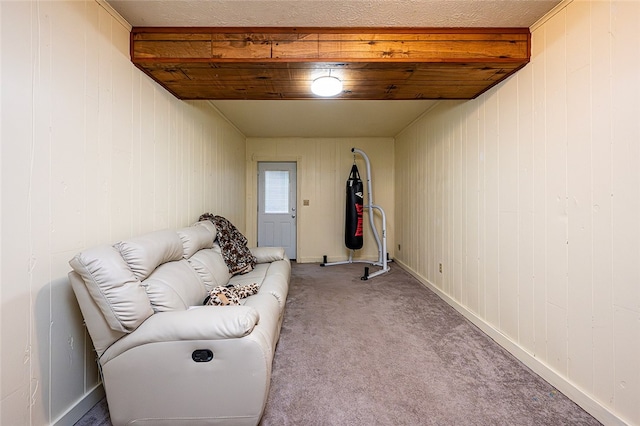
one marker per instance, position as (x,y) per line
(252,196)
(290,216)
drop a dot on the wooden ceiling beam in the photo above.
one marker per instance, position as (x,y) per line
(206,63)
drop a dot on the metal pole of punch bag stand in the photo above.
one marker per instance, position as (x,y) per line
(382,244)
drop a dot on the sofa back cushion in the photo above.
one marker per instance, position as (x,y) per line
(102,335)
(195,238)
(210,267)
(134,278)
(174,286)
(113,286)
(209,226)
(145,253)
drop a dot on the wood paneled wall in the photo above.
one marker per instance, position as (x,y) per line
(323,168)
(529,197)
(92,151)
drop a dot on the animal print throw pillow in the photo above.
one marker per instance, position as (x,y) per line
(230,295)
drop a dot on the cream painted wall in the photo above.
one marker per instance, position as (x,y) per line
(323,169)
(91,152)
(529,196)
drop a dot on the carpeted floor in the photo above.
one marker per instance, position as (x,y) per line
(388,351)
(97,416)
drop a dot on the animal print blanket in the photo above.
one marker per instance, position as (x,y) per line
(233,245)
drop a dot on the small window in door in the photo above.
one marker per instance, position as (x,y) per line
(276,191)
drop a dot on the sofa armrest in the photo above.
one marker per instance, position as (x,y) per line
(268,254)
(198,323)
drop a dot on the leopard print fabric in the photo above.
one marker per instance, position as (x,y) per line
(233,245)
(230,295)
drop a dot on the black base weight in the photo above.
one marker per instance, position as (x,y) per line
(366,274)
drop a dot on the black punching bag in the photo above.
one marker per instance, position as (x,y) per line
(355,201)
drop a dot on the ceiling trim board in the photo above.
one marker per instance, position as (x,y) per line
(550,14)
(225,118)
(116,15)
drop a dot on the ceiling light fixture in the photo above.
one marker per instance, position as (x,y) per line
(326,86)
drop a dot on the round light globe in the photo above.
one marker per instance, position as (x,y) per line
(326,86)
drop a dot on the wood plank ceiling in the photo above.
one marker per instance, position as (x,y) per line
(373,63)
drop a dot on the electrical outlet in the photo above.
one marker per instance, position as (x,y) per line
(440,267)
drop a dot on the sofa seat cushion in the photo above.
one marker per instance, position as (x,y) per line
(273,278)
(257,275)
(269,323)
(276,287)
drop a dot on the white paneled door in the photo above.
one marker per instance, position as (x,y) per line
(277,210)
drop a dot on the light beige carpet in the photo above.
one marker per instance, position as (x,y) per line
(388,351)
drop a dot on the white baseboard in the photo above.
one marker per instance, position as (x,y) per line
(81,407)
(577,395)
(301,259)
(331,259)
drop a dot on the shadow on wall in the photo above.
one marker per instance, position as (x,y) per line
(68,365)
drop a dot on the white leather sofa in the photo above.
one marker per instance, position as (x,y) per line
(165,358)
